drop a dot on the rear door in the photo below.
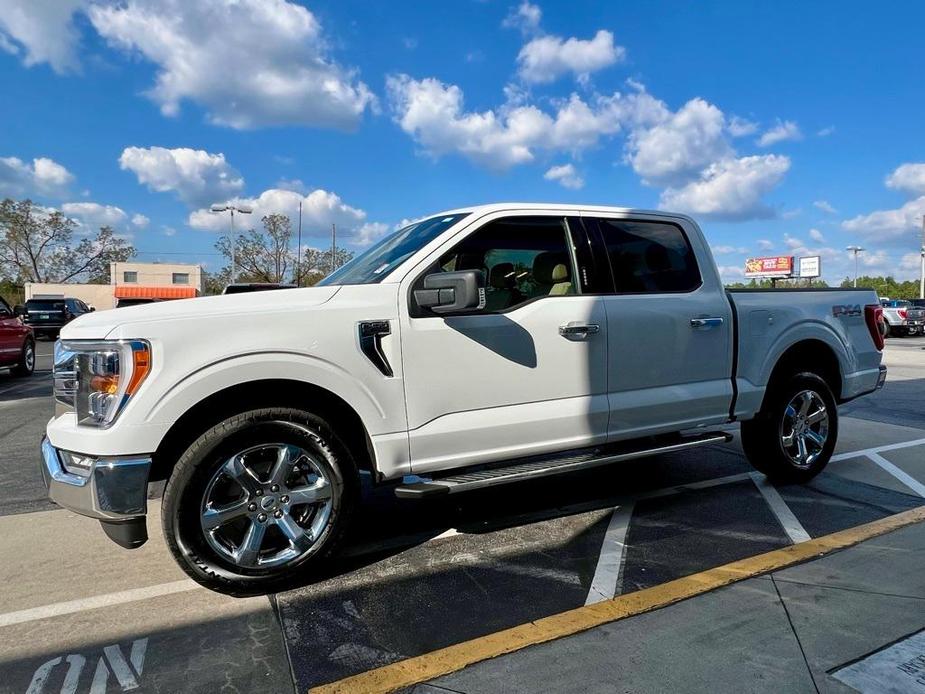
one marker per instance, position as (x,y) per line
(10,334)
(670,329)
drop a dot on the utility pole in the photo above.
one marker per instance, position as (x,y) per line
(333,247)
(234,242)
(855,250)
(922,271)
(298,258)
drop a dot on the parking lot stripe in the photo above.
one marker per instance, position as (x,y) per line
(903,477)
(877,449)
(606,581)
(779,508)
(61,608)
(406,673)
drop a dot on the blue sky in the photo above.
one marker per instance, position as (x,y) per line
(789,127)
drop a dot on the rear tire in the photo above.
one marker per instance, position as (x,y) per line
(260,502)
(26,364)
(793,436)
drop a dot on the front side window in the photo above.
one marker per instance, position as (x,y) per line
(5,311)
(523,258)
(376,263)
(649,257)
(130,277)
(181,278)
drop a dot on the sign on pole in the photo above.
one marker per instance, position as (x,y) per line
(776,266)
(811,266)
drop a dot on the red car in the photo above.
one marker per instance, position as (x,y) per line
(17,343)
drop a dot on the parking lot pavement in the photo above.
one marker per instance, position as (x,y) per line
(421,575)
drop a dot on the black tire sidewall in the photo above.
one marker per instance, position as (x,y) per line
(22,367)
(186,486)
(762,436)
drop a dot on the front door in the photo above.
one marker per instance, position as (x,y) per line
(669,330)
(527,374)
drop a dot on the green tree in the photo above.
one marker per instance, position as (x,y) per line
(886,286)
(316,264)
(37,245)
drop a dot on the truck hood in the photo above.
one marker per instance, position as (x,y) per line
(129,321)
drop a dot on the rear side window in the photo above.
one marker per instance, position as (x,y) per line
(649,257)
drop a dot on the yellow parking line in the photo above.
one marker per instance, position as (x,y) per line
(426,667)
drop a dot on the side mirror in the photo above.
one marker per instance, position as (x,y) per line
(452,292)
(19,310)
(92,309)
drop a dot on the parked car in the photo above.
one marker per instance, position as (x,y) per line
(122,303)
(244,287)
(46,316)
(17,343)
(478,347)
(902,318)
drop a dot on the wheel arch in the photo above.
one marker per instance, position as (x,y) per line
(270,392)
(823,358)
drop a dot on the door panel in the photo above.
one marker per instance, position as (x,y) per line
(504,382)
(669,331)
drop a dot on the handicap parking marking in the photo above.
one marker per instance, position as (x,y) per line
(895,669)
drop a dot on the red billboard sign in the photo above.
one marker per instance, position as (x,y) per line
(775,266)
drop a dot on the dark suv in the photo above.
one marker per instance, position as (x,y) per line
(47,316)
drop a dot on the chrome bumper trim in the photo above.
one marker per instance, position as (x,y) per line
(115,488)
(881,379)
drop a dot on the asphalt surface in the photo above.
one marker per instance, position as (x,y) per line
(416,576)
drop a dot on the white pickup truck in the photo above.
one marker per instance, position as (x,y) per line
(481,346)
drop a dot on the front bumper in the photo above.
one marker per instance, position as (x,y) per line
(115,490)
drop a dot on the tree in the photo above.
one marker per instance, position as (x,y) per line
(766,283)
(36,245)
(886,286)
(267,256)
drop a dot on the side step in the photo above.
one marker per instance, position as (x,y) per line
(544,466)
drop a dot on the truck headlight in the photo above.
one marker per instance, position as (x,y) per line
(99,378)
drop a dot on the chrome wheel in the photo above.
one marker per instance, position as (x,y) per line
(268,505)
(30,357)
(805,428)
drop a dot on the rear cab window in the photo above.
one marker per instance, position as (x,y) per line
(649,257)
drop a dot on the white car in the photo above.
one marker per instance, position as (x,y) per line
(481,346)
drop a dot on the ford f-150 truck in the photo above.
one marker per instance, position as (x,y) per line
(477,347)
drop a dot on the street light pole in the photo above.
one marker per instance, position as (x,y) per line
(855,250)
(217,208)
(922,270)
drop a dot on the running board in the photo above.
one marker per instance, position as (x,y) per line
(534,468)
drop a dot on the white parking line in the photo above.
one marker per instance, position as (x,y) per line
(606,581)
(62,608)
(903,477)
(779,508)
(877,449)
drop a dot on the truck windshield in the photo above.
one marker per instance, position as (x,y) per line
(379,260)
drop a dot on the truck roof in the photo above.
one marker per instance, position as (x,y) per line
(564,207)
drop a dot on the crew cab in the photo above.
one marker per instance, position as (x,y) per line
(902,317)
(17,344)
(482,346)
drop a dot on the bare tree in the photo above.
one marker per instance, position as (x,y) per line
(36,245)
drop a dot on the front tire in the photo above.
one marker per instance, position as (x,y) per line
(793,437)
(260,502)
(26,364)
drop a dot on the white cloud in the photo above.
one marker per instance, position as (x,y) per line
(44,177)
(784,130)
(433,114)
(765,245)
(825,206)
(369,233)
(731,273)
(94,215)
(825,132)
(816,236)
(320,209)
(741,127)
(908,178)
(728,250)
(887,225)
(198,177)
(42,31)
(793,243)
(140,221)
(911,262)
(249,63)
(566,176)
(730,189)
(525,17)
(546,58)
(681,145)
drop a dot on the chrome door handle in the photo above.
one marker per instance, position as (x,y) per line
(710,322)
(579,329)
